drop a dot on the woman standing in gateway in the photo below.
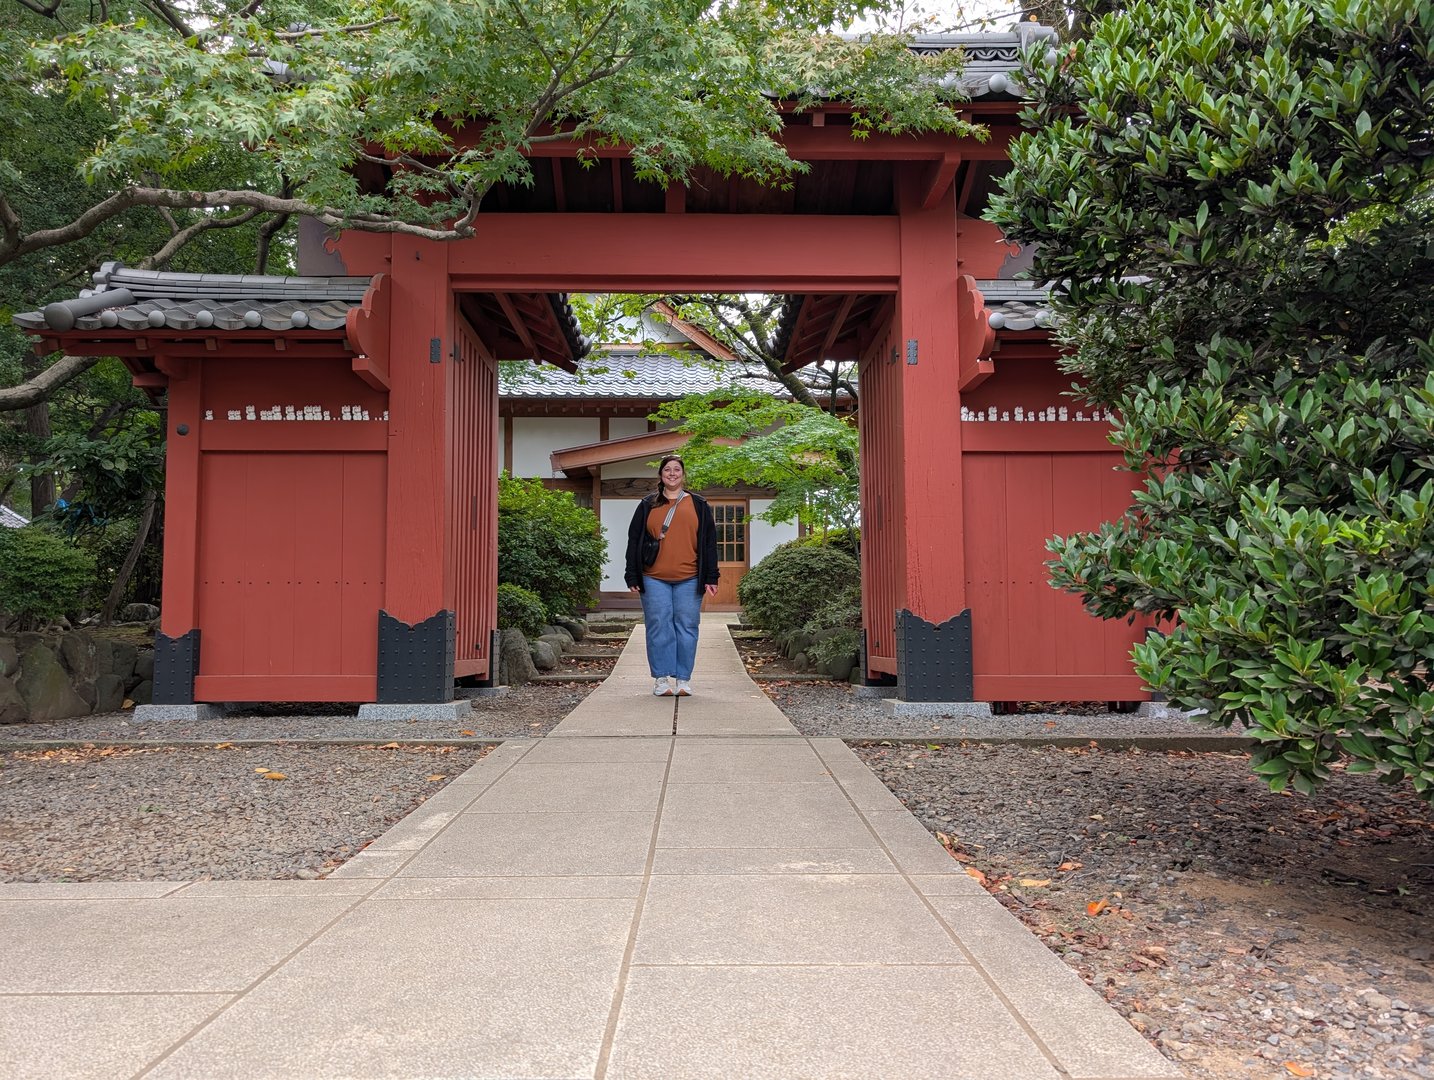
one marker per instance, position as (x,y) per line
(672,565)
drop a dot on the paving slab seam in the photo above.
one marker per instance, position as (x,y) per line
(610,1032)
(243,992)
(980,969)
(457,783)
(279,964)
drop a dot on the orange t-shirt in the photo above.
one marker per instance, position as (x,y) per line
(677,558)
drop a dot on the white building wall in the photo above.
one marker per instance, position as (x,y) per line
(763,536)
(626,470)
(620,427)
(536,437)
(616,515)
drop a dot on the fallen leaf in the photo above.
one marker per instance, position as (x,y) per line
(128,703)
(1095,907)
(275,776)
(980,877)
(224,746)
(1294,1068)
(1067,867)
(436,776)
(1050,724)
(389,746)
(467,733)
(1034,883)
(262,768)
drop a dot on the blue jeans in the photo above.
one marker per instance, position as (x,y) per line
(671,612)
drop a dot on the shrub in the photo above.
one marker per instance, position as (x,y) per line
(42,576)
(783,591)
(843,539)
(835,627)
(549,545)
(520,609)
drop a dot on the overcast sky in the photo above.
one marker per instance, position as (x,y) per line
(960,16)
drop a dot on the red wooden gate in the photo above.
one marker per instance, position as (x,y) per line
(290,568)
(1035,464)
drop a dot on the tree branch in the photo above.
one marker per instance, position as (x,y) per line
(44,11)
(170,16)
(17,244)
(185,235)
(39,388)
(268,230)
(352,28)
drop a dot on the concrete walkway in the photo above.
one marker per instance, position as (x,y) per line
(661,888)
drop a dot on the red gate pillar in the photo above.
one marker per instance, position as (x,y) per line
(416,625)
(913,563)
(176,646)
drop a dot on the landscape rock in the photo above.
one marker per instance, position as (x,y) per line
(13,709)
(143,692)
(9,658)
(124,657)
(515,662)
(561,643)
(144,666)
(841,667)
(548,630)
(138,613)
(109,693)
(80,653)
(46,686)
(545,657)
(576,628)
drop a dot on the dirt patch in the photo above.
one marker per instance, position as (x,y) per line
(762,657)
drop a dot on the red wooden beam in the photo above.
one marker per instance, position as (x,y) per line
(975,338)
(938,180)
(838,323)
(517,322)
(367,327)
(665,252)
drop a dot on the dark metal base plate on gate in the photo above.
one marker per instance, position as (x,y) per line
(933,662)
(415,662)
(176,663)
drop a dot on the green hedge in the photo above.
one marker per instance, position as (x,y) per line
(520,609)
(783,592)
(42,575)
(549,545)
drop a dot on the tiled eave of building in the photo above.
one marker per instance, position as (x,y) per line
(139,314)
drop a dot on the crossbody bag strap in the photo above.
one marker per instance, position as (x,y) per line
(667,521)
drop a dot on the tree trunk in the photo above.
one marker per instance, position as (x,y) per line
(141,534)
(42,484)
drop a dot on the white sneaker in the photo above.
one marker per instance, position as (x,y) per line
(663,688)
(684,688)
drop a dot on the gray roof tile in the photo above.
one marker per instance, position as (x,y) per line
(632,375)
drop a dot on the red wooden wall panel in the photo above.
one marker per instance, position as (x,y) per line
(883,559)
(292,574)
(1030,642)
(473,531)
(290,539)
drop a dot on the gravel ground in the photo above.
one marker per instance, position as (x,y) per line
(159,814)
(519,711)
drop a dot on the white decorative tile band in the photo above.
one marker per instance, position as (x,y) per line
(298,413)
(1053,414)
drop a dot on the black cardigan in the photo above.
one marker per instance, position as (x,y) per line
(706,541)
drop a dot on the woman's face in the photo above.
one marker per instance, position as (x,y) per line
(673,474)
